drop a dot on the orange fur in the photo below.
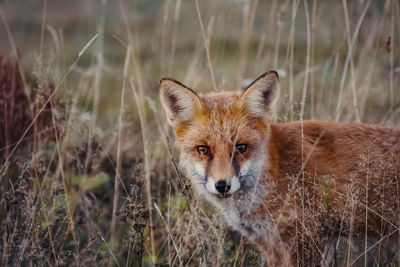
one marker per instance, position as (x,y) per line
(295,182)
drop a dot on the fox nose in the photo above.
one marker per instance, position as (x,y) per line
(222,186)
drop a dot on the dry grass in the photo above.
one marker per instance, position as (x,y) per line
(88,167)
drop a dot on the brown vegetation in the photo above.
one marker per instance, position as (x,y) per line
(77,154)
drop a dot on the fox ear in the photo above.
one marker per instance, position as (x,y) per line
(261,96)
(179,101)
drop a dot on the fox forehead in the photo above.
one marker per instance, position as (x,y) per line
(224,119)
(222,100)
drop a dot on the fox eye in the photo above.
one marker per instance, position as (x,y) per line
(203,150)
(241,148)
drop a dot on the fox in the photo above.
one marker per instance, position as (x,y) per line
(286,187)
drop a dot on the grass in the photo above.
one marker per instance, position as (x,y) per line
(87,161)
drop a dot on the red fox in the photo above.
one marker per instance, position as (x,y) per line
(285,186)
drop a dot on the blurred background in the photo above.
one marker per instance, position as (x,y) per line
(84,145)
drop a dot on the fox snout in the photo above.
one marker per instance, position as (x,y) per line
(221,174)
(224,187)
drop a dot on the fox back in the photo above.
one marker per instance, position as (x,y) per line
(285,186)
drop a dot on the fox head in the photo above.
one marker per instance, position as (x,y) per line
(222,136)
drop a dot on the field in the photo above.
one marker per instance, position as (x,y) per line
(88,163)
